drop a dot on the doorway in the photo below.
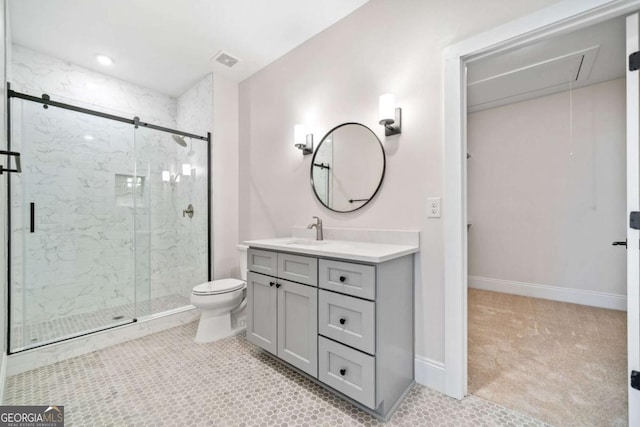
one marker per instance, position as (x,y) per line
(547,23)
(546,196)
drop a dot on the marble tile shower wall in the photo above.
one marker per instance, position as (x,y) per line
(89,176)
(36,73)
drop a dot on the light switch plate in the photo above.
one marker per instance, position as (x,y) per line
(433,207)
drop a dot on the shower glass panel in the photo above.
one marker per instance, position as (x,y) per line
(73,258)
(172,227)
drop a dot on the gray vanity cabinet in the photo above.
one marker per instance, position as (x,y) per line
(348,324)
(282,315)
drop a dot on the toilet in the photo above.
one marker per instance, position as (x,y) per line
(217,300)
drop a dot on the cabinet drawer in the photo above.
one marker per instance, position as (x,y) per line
(348,320)
(298,268)
(352,279)
(348,371)
(265,262)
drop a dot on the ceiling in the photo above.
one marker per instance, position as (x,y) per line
(167,45)
(585,57)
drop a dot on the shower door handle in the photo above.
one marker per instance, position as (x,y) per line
(32,221)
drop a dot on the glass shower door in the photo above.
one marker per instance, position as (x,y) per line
(172,226)
(73,261)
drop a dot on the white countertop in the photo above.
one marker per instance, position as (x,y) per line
(354,251)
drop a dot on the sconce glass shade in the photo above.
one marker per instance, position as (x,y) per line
(299,135)
(186,169)
(389,116)
(166,176)
(386,109)
(303,140)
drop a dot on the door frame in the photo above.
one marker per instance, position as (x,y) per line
(561,18)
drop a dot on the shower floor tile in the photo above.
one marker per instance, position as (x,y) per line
(36,334)
(167,379)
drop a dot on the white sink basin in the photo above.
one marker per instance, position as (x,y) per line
(306,242)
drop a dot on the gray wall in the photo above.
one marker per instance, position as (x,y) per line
(337,76)
(225,178)
(545,204)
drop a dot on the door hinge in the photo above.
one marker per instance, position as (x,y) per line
(635,380)
(634,220)
(634,61)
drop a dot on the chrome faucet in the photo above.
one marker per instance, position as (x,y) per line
(318,226)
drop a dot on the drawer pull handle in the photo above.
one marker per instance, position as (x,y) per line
(343,320)
(278,285)
(271,283)
(343,372)
(342,279)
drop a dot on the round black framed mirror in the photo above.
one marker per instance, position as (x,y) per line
(348,167)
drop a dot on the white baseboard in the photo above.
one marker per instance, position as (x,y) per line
(555,293)
(3,375)
(430,373)
(56,352)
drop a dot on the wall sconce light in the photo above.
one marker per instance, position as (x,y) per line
(303,140)
(390,116)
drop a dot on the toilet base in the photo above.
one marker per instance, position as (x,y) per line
(214,327)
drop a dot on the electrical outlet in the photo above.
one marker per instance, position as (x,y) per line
(434,207)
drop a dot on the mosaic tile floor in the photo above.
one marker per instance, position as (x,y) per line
(39,333)
(167,379)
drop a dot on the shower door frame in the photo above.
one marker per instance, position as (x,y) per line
(46,101)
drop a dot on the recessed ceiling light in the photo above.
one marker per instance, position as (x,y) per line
(88,137)
(104,60)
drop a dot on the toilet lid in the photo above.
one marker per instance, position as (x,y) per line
(218,287)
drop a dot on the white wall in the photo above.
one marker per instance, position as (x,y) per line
(225,178)
(547,194)
(337,76)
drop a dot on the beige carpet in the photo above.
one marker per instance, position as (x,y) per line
(562,363)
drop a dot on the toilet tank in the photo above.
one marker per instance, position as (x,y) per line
(242,261)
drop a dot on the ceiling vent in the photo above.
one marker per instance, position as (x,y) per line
(225,59)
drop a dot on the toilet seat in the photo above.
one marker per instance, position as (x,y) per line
(221,286)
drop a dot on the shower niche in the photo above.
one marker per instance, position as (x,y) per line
(129,190)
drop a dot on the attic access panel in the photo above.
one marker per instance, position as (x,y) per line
(534,80)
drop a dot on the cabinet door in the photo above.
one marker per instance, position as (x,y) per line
(298,326)
(262,311)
